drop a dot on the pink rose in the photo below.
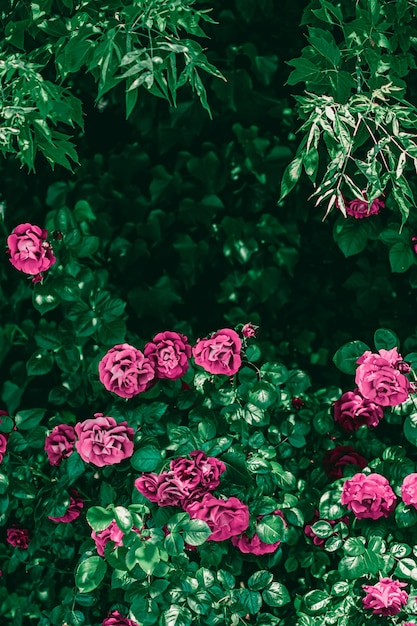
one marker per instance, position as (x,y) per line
(3,446)
(226,518)
(126,371)
(249,330)
(309,532)
(254,545)
(187,471)
(368,496)
(386,597)
(359,207)
(210,469)
(116,619)
(409,490)
(74,509)
(172,491)
(378,379)
(29,251)
(335,460)
(148,485)
(220,353)
(352,411)
(17,537)
(169,353)
(111,533)
(102,441)
(59,444)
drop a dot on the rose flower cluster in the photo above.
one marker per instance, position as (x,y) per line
(188,484)
(381,382)
(127,371)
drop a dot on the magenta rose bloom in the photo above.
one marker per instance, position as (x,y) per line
(29,251)
(148,485)
(352,411)
(102,441)
(111,533)
(386,597)
(368,496)
(335,460)
(210,469)
(220,353)
(254,545)
(59,444)
(17,537)
(249,330)
(169,353)
(360,207)
(126,371)
(409,490)
(116,619)
(379,380)
(3,446)
(226,518)
(74,509)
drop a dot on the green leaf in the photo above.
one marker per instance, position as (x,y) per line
(250,601)
(405,515)
(146,459)
(291,176)
(26,420)
(259,580)
(305,71)
(99,518)
(322,529)
(263,395)
(276,595)
(90,573)
(195,532)
(385,339)
(40,363)
(401,257)
(347,355)
(44,297)
(176,616)
(350,236)
(353,567)
(410,428)
(316,601)
(123,518)
(271,529)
